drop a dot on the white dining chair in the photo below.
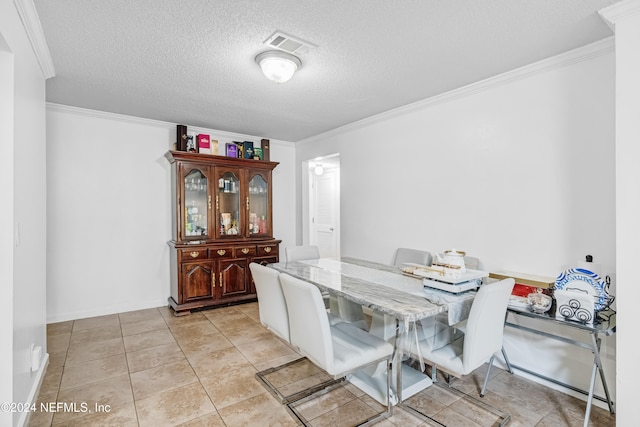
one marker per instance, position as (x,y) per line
(298,253)
(482,338)
(347,310)
(415,256)
(272,308)
(337,349)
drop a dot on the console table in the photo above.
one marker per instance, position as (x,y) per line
(601,326)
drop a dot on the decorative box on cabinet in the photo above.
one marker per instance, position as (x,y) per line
(221,222)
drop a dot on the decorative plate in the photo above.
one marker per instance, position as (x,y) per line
(581,280)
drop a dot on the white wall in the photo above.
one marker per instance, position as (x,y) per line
(518,171)
(109,210)
(23,272)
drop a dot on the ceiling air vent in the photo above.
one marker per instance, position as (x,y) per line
(294,45)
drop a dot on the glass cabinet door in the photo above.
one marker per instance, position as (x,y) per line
(196,203)
(258,205)
(228,204)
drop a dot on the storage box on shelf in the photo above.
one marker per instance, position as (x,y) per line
(525,285)
(221,223)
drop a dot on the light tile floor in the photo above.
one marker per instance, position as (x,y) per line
(149,368)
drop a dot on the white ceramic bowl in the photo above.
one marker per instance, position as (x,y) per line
(539,302)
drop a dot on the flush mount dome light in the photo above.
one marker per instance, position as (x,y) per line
(277,65)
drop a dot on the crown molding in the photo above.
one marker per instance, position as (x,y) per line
(31,23)
(79,111)
(87,112)
(616,12)
(584,53)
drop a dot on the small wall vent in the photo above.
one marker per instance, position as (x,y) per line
(287,43)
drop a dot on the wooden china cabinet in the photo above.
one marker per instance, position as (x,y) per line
(221,223)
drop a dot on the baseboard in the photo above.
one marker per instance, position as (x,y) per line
(102,311)
(35,390)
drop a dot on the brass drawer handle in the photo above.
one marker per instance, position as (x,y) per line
(221,252)
(194,254)
(245,250)
(267,249)
(220,279)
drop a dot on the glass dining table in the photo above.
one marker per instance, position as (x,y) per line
(398,298)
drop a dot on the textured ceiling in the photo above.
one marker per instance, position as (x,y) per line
(192,61)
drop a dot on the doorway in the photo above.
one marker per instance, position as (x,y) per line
(323,201)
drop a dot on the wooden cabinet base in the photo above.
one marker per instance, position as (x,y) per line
(185,309)
(216,274)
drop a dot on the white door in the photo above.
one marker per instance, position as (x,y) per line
(325,215)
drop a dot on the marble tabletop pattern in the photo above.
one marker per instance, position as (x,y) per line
(380,287)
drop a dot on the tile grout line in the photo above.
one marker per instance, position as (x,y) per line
(126,358)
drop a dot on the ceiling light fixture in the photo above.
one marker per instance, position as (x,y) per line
(277,65)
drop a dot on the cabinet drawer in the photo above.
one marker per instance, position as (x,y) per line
(245,251)
(193,253)
(266,250)
(225,252)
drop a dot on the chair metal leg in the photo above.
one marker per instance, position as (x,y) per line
(486,377)
(389,382)
(506,360)
(450,379)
